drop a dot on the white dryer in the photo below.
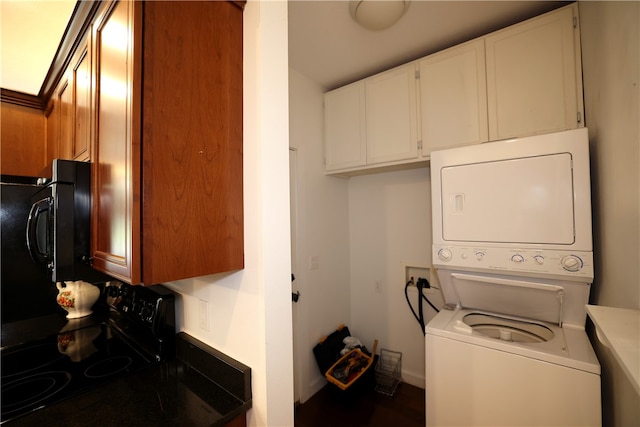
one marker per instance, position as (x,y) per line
(512,249)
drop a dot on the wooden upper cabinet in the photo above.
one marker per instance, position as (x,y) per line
(69,116)
(64,96)
(192,139)
(116,212)
(168,201)
(52,128)
(534,80)
(82,103)
(59,123)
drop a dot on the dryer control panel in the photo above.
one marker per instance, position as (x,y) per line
(577,265)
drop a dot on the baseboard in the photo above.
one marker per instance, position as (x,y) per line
(313,388)
(411,378)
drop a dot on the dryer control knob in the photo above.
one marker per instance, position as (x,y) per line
(517,258)
(571,263)
(445,254)
(479,256)
(539,259)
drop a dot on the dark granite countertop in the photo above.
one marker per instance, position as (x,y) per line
(201,387)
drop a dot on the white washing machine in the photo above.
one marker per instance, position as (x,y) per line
(513,253)
(488,365)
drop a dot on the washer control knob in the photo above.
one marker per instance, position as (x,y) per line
(445,254)
(517,258)
(480,256)
(539,259)
(571,263)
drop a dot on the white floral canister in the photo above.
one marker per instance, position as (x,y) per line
(77,298)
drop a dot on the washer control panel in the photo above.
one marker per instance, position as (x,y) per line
(577,264)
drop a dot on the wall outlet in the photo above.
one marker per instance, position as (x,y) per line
(416,271)
(314,262)
(203,315)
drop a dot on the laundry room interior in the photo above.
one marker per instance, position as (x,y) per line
(356,235)
(348,134)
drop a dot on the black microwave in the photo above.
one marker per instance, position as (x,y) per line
(59,224)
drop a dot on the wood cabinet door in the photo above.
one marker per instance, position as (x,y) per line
(82,104)
(391,119)
(116,167)
(453,97)
(52,123)
(192,217)
(64,97)
(345,132)
(59,121)
(532,76)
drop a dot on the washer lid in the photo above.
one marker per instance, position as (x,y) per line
(530,300)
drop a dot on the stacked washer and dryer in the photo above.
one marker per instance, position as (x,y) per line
(512,247)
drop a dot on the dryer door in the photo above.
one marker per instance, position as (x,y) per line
(526,200)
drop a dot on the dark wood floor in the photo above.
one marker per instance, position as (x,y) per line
(332,407)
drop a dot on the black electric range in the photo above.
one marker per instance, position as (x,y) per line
(50,359)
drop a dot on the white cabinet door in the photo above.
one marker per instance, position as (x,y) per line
(391,116)
(345,137)
(453,97)
(533,81)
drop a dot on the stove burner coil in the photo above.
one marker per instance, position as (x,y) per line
(26,360)
(27,392)
(108,367)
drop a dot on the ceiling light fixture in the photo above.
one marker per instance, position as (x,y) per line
(377,15)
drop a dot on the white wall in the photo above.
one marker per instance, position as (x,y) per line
(610,49)
(360,230)
(611,71)
(249,311)
(389,227)
(322,232)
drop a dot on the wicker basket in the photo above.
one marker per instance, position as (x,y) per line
(350,367)
(388,371)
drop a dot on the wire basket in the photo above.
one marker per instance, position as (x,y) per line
(388,371)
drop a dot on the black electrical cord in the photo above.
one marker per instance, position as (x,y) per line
(406,295)
(420,285)
(432,306)
(420,315)
(425,297)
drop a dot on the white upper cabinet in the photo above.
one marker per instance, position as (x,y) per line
(344,120)
(391,115)
(534,82)
(453,97)
(523,80)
